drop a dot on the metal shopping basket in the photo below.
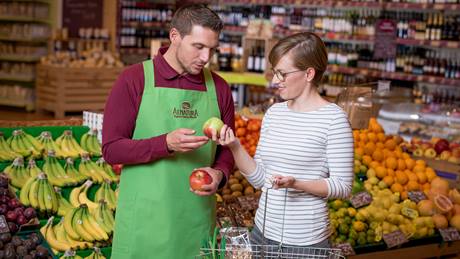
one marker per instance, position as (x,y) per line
(239,247)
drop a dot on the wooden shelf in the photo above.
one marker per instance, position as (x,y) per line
(393,75)
(22,19)
(38,40)
(19,58)
(16,103)
(18,78)
(135,51)
(430,43)
(144,24)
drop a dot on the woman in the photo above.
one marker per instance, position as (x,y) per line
(305,150)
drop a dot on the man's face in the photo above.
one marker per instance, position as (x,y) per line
(196,49)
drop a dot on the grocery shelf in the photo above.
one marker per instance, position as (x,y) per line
(420,6)
(19,58)
(16,103)
(246,78)
(22,19)
(10,38)
(429,43)
(144,24)
(19,78)
(393,75)
(137,51)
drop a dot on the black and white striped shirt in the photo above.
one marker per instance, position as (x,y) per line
(308,146)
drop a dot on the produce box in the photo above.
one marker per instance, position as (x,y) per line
(64,89)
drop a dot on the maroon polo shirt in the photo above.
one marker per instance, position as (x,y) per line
(122,107)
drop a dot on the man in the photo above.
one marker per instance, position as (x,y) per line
(152,125)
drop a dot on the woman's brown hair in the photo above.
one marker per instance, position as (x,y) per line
(307,50)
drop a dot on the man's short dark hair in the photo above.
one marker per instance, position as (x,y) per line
(195,14)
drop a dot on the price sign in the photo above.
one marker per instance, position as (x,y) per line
(416,196)
(383,85)
(385,39)
(4,225)
(449,234)
(346,248)
(361,199)
(395,238)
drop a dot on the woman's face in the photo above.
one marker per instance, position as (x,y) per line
(291,81)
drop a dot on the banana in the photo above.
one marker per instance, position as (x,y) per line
(33,169)
(91,225)
(17,173)
(108,217)
(94,144)
(74,195)
(64,206)
(13,141)
(68,224)
(85,169)
(100,193)
(7,153)
(83,196)
(34,142)
(41,195)
(100,218)
(47,196)
(96,254)
(79,226)
(51,238)
(24,194)
(70,254)
(54,197)
(108,170)
(33,193)
(72,172)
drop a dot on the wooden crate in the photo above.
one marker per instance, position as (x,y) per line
(62,90)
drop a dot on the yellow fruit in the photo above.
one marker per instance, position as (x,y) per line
(425,208)
(351,212)
(440,221)
(455,222)
(454,195)
(359,226)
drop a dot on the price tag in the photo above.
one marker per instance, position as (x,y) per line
(452,44)
(395,238)
(346,248)
(4,225)
(416,196)
(449,234)
(436,43)
(361,199)
(383,85)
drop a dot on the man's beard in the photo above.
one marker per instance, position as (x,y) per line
(182,65)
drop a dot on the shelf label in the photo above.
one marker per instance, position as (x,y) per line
(361,199)
(346,248)
(395,238)
(449,234)
(383,85)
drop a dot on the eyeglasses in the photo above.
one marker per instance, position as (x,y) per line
(282,76)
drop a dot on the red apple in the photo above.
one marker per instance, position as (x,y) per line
(198,178)
(213,123)
(117,168)
(441,145)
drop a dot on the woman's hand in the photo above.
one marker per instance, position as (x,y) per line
(227,138)
(283,182)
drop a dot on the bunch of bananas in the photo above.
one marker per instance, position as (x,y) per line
(46,139)
(33,169)
(64,205)
(69,145)
(90,143)
(79,196)
(17,172)
(39,194)
(57,174)
(59,240)
(96,254)
(104,216)
(96,173)
(107,194)
(73,173)
(81,225)
(25,145)
(6,153)
(108,169)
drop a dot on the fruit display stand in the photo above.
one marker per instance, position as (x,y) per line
(65,89)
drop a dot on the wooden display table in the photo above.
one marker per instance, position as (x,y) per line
(62,89)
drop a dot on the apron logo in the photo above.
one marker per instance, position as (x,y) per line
(185,111)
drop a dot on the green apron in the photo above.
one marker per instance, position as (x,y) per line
(157,215)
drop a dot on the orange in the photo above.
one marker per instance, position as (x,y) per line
(391,172)
(391,162)
(372,136)
(430,174)
(361,144)
(367,160)
(374,125)
(420,162)
(421,177)
(380,145)
(401,165)
(412,177)
(369,148)
(401,177)
(418,168)
(381,137)
(396,187)
(363,137)
(405,156)
(359,151)
(398,152)
(377,155)
(380,172)
(374,164)
(426,186)
(410,163)
(413,186)
(387,153)
(390,144)
(404,195)
(356,135)
(388,180)
(398,139)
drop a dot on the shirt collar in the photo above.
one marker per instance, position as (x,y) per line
(168,72)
